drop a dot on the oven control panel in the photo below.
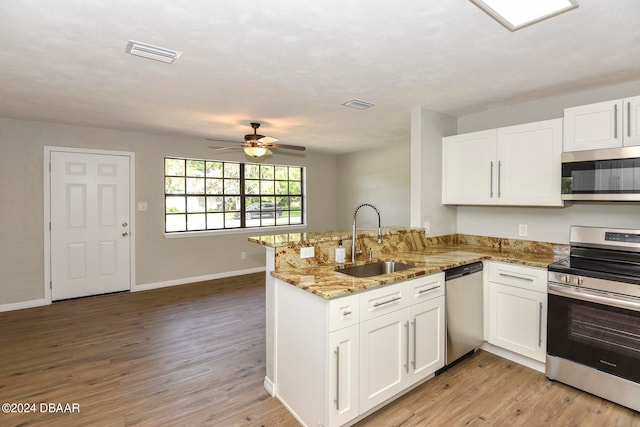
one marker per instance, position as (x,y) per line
(622,237)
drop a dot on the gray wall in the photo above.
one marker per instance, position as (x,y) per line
(158,259)
(544,224)
(427,129)
(379,176)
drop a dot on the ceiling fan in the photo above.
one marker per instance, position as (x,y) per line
(256,145)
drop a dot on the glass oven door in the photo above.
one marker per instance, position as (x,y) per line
(594,329)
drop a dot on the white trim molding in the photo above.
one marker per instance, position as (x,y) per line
(24,304)
(188,280)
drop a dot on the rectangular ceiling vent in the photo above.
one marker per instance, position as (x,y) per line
(357,104)
(152,52)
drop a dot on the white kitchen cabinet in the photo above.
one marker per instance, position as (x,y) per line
(383,358)
(515,165)
(517,311)
(337,359)
(606,124)
(468,168)
(344,354)
(399,349)
(427,339)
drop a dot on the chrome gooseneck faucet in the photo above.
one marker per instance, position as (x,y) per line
(353,234)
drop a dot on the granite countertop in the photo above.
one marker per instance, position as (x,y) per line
(324,281)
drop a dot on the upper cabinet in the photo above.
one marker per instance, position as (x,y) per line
(607,124)
(515,165)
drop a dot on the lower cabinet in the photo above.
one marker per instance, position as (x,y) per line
(399,349)
(517,312)
(377,344)
(344,356)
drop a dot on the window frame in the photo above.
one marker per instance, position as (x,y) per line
(194,188)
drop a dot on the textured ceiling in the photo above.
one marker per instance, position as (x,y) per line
(291,64)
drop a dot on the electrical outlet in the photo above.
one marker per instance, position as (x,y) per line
(523,230)
(308,252)
(243,255)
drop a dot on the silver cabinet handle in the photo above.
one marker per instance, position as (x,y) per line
(378,304)
(499,170)
(406,366)
(628,118)
(125,234)
(540,327)
(124,224)
(422,291)
(615,121)
(415,341)
(491,181)
(346,313)
(513,276)
(337,399)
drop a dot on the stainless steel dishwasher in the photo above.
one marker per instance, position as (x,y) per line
(464,315)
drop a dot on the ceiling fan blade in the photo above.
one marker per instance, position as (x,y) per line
(224,148)
(267,139)
(286,146)
(223,140)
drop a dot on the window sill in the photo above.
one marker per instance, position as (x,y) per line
(254,231)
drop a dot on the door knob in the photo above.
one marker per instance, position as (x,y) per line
(125,234)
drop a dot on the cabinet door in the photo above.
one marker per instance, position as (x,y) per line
(592,126)
(384,355)
(517,320)
(344,359)
(631,126)
(529,166)
(469,168)
(426,341)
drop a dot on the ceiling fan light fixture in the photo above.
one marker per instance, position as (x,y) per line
(255,151)
(515,15)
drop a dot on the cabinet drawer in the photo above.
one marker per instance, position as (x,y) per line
(424,288)
(383,300)
(518,276)
(344,312)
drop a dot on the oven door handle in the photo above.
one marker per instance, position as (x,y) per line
(594,296)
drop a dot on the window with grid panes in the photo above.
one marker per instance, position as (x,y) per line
(203,195)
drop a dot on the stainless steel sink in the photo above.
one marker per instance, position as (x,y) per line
(374,269)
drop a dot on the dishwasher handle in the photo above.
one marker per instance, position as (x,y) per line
(463,270)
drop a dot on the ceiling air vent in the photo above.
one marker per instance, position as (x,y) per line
(152,52)
(357,104)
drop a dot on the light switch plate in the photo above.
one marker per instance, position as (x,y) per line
(308,252)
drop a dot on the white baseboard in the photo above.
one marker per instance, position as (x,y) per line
(514,357)
(24,304)
(186,280)
(269,386)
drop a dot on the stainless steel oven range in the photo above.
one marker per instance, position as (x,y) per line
(593,319)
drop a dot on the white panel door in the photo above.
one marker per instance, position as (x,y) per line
(529,164)
(384,363)
(90,242)
(632,121)
(469,168)
(427,342)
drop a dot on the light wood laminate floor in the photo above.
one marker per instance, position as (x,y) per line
(194,355)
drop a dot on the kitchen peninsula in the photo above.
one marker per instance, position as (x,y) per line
(321,347)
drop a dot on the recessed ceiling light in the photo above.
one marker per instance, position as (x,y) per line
(357,104)
(152,52)
(519,14)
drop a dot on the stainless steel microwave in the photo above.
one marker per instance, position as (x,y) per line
(608,174)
